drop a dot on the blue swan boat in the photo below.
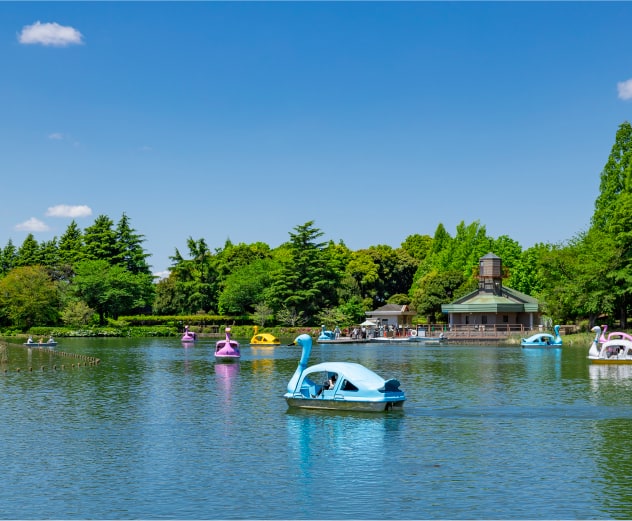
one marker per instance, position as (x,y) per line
(543,339)
(326,335)
(345,386)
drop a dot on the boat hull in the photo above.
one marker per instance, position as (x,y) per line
(610,361)
(227,358)
(343,405)
(38,344)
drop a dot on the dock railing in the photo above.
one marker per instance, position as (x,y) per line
(456,331)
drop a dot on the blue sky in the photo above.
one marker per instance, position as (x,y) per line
(240,121)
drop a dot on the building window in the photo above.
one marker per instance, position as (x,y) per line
(506,319)
(484,319)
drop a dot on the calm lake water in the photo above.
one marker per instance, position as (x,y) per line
(159,431)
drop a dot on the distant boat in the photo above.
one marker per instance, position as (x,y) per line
(189,336)
(227,349)
(543,339)
(326,335)
(345,386)
(264,339)
(50,343)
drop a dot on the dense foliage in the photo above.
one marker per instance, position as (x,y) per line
(91,277)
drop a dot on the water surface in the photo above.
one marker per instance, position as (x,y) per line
(158,430)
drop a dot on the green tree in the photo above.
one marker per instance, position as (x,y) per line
(233,257)
(77,313)
(196,281)
(612,216)
(438,288)
(29,253)
(29,297)
(307,283)
(526,274)
(417,246)
(100,241)
(110,290)
(614,178)
(49,253)
(166,301)
(71,245)
(8,258)
(246,287)
(129,251)
(262,314)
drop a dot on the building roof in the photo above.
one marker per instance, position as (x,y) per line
(482,302)
(391,310)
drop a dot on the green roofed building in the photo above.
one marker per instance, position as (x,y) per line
(493,304)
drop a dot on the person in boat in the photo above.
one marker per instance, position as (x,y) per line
(331,383)
(51,340)
(41,340)
(30,340)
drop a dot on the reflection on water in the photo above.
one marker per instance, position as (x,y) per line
(226,374)
(610,372)
(160,431)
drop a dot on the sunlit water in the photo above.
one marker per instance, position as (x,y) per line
(162,431)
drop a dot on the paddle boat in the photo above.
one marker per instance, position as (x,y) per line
(346,386)
(615,351)
(227,349)
(264,339)
(612,335)
(543,339)
(326,335)
(189,336)
(50,343)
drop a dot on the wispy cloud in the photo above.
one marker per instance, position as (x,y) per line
(32,225)
(56,136)
(625,89)
(50,34)
(65,210)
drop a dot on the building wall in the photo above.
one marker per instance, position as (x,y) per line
(492,319)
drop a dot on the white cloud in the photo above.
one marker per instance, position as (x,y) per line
(50,34)
(56,135)
(625,89)
(161,274)
(32,225)
(65,210)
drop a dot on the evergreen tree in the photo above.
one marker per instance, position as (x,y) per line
(100,242)
(130,253)
(306,284)
(29,253)
(196,285)
(71,245)
(8,258)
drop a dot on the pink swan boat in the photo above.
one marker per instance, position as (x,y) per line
(613,335)
(189,336)
(227,349)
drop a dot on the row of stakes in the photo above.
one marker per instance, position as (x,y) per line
(85,361)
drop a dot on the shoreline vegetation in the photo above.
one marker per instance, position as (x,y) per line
(286,334)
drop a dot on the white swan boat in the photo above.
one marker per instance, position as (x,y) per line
(614,351)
